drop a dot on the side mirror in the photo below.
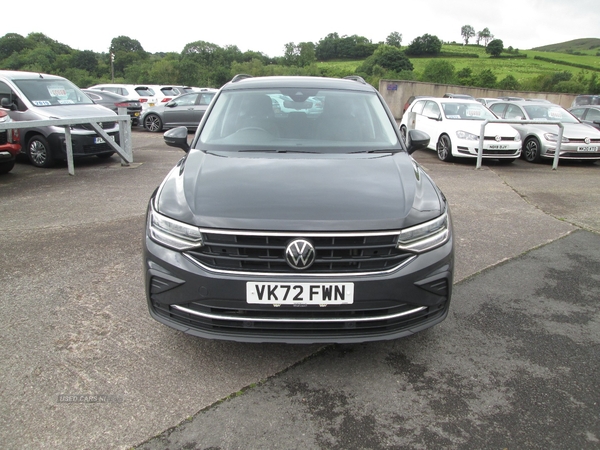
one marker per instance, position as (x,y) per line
(171,104)
(177,137)
(6,103)
(417,140)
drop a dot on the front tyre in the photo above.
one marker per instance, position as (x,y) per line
(7,166)
(39,153)
(532,150)
(153,123)
(444,148)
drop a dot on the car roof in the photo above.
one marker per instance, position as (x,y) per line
(297,82)
(20,75)
(451,100)
(530,103)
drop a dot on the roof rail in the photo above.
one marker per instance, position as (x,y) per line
(240,76)
(355,78)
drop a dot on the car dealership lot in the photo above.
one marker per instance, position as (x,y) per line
(84,366)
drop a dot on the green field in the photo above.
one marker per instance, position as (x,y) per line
(521,68)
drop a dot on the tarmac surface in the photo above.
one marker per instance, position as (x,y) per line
(515,364)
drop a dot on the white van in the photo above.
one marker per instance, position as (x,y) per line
(37,96)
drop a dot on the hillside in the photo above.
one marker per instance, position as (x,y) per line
(586,46)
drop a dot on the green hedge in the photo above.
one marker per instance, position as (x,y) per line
(566,63)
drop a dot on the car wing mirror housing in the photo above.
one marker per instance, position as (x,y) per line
(417,140)
(177,137)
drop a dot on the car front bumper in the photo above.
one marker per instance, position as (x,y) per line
(186,296)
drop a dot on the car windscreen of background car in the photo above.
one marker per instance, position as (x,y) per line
(41,92)
(467,111)
(298,120)
(551,112)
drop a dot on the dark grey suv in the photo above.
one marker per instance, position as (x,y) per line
(309,222)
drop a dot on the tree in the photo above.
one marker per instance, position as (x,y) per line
(12,43)
(424,45)
(125,44)
(467,32)
(386,57)
(484,35)
(326,49)
(486,79)
(439,71)
(85,60)
(394,39)
(509,83)
(495,47)
(464,76)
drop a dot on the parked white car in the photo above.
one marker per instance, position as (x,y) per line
(454,126)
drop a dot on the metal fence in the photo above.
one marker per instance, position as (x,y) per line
(522,122)
(124,148)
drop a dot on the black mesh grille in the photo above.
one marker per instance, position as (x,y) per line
(267,253)
(249,321)
(3,137)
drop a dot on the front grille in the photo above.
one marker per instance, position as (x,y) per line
(334,254)
(3,137)
(500,152)
(582,141)
(502,138)
(89,127)
(301,321)
(97,148)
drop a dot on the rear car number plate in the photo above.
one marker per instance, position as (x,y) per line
(300,293)
(587,149)
(99,140)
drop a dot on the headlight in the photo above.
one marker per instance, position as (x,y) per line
(517,137)
(554,137)
(425,236)
(466,135)
(172,233)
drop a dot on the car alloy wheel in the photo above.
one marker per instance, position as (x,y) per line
(531,150)
(153,123)
(444,148)
(38,152)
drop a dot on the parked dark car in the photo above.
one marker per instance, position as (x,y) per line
(186,110)
(114,101)
(583,100)
(587,114)
(297,227)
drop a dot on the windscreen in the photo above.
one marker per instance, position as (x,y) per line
(307,120)
(467,111)
(549,112)
(47,92)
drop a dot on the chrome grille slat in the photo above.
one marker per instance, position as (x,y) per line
(341,253)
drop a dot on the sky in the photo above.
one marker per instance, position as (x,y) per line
(266,26)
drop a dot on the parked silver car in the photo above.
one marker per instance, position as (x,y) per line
(580,141)
(186,110)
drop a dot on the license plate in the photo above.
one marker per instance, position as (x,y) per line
(99,140)
(151,104)
(498,147)
(587,149)
(300,293)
